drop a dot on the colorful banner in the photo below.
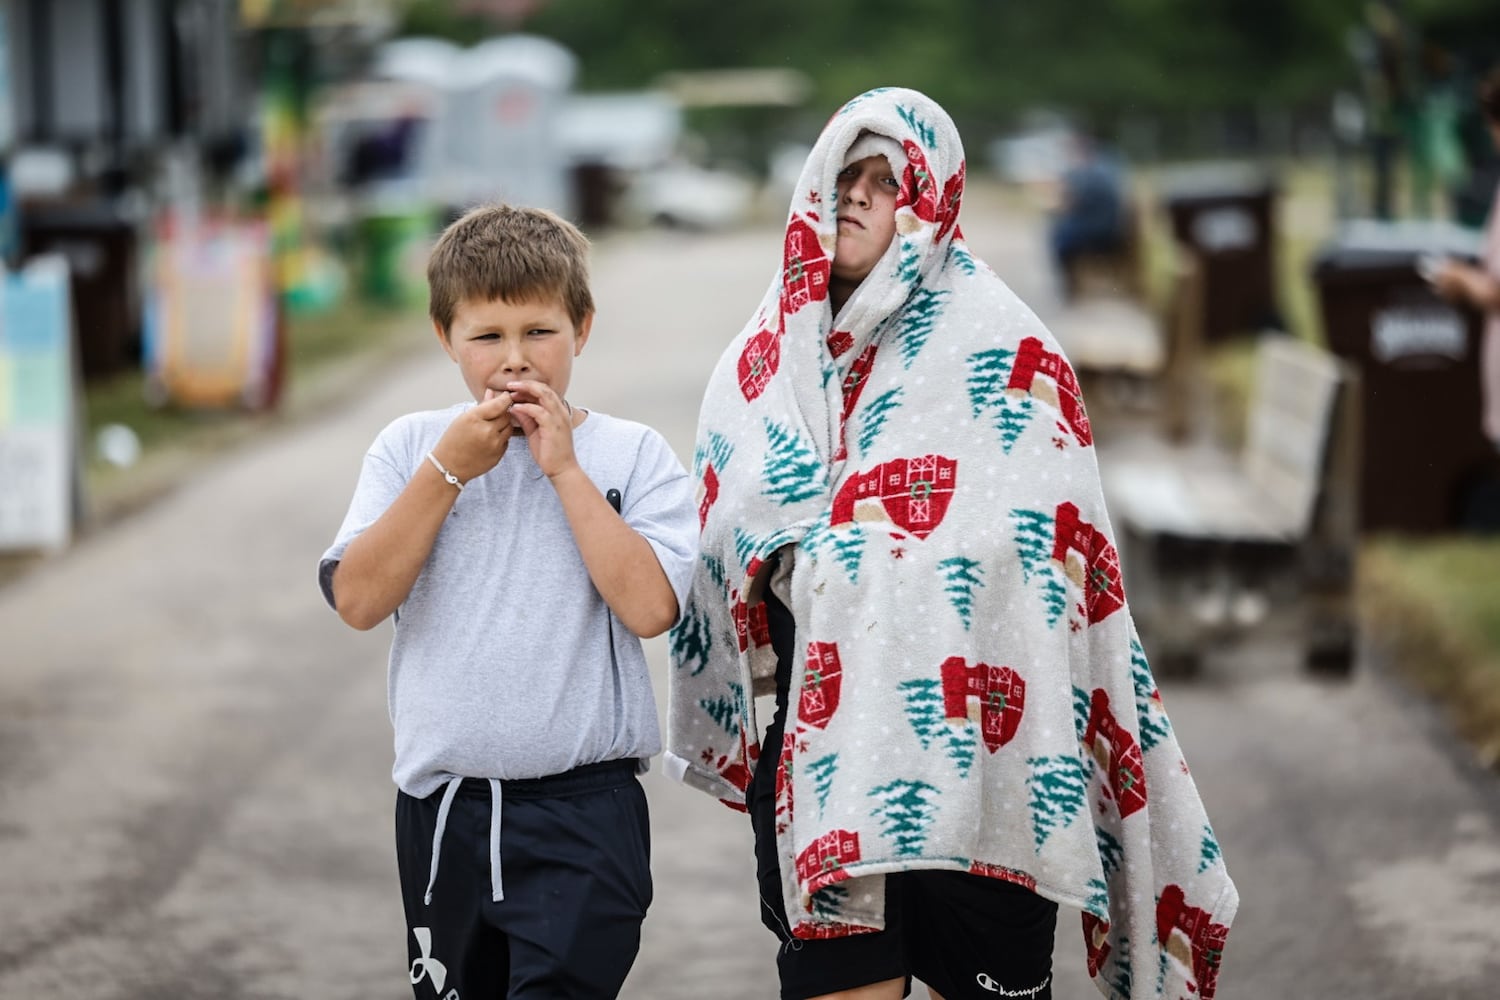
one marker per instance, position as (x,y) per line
(38,433)
(211,317)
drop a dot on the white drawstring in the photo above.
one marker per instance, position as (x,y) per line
(437,834)
(497,893)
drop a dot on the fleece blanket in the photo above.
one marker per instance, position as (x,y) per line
(970,692)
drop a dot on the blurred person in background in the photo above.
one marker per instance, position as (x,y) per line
(1479,285)
(904,541)
(1091,213)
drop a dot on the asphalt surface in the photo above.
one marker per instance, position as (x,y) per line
(195,798)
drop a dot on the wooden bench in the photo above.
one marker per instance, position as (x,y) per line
(1132,358)
(1214,543)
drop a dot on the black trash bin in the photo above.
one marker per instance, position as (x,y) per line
(1225,215)
(100,246)
(1426,465)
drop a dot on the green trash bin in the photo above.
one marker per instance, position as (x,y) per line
(392,250)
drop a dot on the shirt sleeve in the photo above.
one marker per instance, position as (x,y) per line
(659,505)
(381,479)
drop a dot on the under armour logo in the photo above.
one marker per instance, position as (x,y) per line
(427,966)
(987,982)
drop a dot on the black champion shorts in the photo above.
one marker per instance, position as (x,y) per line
(575,856)
(966,936)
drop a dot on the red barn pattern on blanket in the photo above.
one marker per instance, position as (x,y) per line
(854,385)
(912,493)
(1191,939)
(758,362)
(997,693)
(1117,754)
(805,267)
(734,768)
(1097,570)
(820,685)
(926,202)
(822,862)
(784,782)
(1033,360)
(708,492)
(751,624)
(1095,942)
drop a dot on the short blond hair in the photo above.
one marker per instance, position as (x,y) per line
(510,253)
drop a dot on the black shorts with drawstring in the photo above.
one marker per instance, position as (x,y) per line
(966,936)
(575,856)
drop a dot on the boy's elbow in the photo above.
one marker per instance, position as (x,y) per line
(656,619)
(357,614)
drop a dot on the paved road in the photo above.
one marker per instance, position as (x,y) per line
(194,755)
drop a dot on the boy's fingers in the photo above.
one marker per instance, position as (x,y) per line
(494,404)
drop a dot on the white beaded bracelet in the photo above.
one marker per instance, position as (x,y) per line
(446,474)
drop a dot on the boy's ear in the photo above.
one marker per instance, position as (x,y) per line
(582,335)
(442,336)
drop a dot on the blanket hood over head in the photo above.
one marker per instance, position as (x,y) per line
(970,693)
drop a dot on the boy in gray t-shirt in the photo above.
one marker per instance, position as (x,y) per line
(523,546)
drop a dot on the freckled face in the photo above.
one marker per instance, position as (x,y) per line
(497,342)
(867,216)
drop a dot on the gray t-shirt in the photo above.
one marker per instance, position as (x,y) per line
(500,665)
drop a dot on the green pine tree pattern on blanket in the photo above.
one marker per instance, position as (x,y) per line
(1098,901)
(1209,853)
(715,451)
(1034,534)
(924,131)
(918,319)
(963,575)
(1059,794)
(714,566)
(726,710)
(906,809)
(874,415)
(828,901)
(1111,852)
(959,256)
(792,470)
(1154,724)
(691,642)
(924,709)
(1119,982)
(822,771)
(989,373)
(846,543)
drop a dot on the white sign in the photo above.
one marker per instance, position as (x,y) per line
(37,432)
(1223,229)
(1434,331)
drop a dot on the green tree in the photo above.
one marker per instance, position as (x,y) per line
(792,472)
(906,809)
(1059,794)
